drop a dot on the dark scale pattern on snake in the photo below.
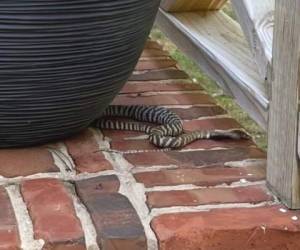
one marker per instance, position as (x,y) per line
(167,129)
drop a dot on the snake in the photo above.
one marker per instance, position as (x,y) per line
(163,126)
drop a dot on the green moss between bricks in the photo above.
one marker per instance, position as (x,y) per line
(211,87)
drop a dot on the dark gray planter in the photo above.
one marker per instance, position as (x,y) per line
(63,61)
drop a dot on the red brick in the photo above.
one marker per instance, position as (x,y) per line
(209,144)
(206,176)
(154,75)
(210,124)
(164,99)
(155,64)
(53,215)
(154,53)
(148,159)
(207,196)
(215,157)
(263,228)
(86,154)
(117,223)
(194,158)
(120,135)
(97,185)
(24,162)
(144,87)
(127,145)
(9,235)
(197,112)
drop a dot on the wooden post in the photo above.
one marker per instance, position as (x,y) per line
(283,160)
(191,5)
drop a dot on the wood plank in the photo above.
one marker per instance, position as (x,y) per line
(283,161)
(191,5)
(217,44)
(257,20)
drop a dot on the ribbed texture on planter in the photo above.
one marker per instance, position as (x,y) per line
(63,61)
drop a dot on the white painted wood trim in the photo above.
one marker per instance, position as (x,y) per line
(257,21)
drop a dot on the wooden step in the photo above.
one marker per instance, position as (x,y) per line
(216,42)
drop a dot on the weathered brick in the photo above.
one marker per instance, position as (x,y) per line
(9,234)
(209,144)
(194,158)
(207,196)
(117,223)
(206,176)
(263,228)
(120,135)
(148,159)
(154,75)
(86,154)
(197,112)
(24,162)
(210,124)
(97,185)
(164,99)
(155,64)
(53,215)
(153,52)
(127,145)
(216,157)
(143,87)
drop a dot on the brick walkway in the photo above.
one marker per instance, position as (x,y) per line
(112,190)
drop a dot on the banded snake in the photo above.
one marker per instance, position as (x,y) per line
(168,131)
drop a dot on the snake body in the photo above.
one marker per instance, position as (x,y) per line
(164,127)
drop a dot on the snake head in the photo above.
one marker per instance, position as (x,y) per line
(240,134)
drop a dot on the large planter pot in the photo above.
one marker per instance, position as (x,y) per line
(63,61)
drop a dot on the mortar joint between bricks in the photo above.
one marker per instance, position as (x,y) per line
(186,187)
(25,225)
(135,192)
(63,160)
(17,180)
(132,190)
(83,215)
(205,208)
